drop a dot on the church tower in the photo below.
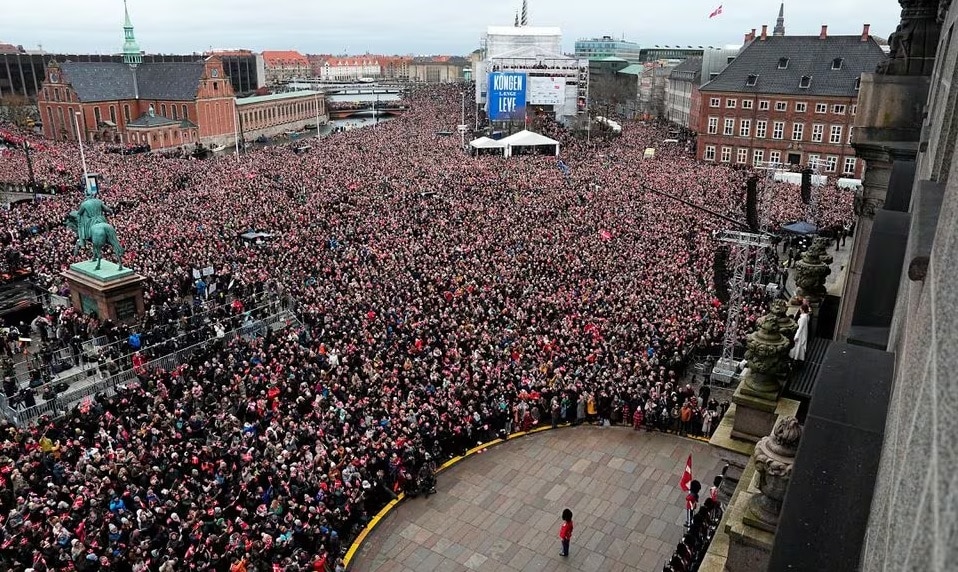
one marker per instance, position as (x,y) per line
(131,50)
(779,29)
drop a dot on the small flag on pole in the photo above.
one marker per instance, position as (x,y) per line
(716,12)
(687,475)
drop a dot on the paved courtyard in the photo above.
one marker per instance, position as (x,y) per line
(499,511)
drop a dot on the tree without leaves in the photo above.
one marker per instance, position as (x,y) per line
(17,109)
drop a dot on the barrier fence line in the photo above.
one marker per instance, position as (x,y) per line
(108,385)
(91,346)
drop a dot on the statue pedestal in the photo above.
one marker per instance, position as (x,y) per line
(109,293)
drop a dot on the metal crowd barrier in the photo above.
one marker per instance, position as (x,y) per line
(62,403)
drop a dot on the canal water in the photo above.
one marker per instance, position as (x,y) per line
(361,120)
(354,122)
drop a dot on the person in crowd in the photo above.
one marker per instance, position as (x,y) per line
(565,532)
(453,305)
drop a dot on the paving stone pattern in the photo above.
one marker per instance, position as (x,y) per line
(499,511)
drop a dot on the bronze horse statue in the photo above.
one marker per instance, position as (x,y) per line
(99,234)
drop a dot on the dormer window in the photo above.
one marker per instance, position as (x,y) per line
(805,82)
(750,80)
(783,63)
(837,63)
(858,83)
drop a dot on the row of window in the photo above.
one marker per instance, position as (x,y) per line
(174,137)
(799,107)
(283,112)
(778,130)
(837,63)
(828,163)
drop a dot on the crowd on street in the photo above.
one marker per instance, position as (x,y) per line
(443,301)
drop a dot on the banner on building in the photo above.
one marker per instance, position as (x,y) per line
(546,90)
(507,96)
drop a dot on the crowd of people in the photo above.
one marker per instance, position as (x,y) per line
(444,301)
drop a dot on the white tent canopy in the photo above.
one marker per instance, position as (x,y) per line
(526,138)
(485,143)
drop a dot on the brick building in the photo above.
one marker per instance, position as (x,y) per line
(167,104)
(787,99)
(282,67)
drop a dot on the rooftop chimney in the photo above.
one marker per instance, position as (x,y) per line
(866,32)
(824,33)
(764,31)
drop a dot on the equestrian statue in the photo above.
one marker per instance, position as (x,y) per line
(91,226)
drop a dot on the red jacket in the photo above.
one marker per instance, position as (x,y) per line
(565,531)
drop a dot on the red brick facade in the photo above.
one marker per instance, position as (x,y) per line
(211,114)
(771,128)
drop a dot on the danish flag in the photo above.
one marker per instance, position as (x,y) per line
(716,12)
(687,475)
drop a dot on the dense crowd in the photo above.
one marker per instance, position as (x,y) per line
(444,300)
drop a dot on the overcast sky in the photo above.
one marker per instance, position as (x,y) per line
(409,26)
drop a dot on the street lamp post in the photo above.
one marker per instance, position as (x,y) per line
(462,121)
(79,117)
(236,127)
(33,180)
(316,97)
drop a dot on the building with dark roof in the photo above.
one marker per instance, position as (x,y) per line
(160,104)
(787,99)
(22,74)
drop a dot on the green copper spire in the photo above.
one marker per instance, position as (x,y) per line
(131,50)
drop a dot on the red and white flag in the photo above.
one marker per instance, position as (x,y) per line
(716,12)
(687,475)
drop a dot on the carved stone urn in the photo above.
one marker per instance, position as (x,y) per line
(786,325)
(811,271)
(766,353)
(774,457)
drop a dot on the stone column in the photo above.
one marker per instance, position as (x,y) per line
(869,199)
(774,457)
(888,127)
(811,271)
(756,397)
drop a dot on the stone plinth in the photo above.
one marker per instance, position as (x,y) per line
(110,293)
(755,416)
(748,548)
